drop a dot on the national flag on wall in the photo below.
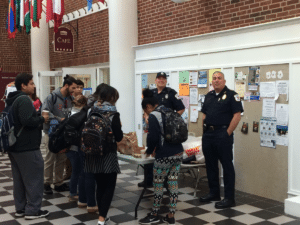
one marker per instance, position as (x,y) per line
(102,1)
(11,19)
(18,12)
(37,13)
(22,13)
(27,21)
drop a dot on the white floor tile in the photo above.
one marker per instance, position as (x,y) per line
(211,217)
(247,219)
(281,220)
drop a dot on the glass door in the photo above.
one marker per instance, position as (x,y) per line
(48,82)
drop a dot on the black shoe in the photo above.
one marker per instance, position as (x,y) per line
(168,220)
(142,184)
(40,214)
(225,203)
(48,189)
(149,219)
(209,197)
(20,213)
(62,188)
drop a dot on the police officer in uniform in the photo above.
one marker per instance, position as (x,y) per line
(221,110)
(169,98)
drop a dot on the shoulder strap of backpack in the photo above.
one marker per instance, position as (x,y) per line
(54,98)
(20,131)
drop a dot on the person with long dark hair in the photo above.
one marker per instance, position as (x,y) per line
(106,167)
(167,162)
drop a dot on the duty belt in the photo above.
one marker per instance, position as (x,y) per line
(213,128)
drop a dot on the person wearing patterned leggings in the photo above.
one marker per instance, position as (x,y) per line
(167,162)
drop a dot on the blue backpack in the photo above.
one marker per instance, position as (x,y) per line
(7,128)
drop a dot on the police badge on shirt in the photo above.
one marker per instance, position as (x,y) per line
(237,98)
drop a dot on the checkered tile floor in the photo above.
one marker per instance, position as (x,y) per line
(250,209)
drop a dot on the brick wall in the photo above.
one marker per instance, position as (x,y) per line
(92,45)
(15,53)
(72,5)
(161,20)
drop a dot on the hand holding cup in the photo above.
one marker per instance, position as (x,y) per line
(45,114)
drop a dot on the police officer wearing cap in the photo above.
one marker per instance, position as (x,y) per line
(221,110)
(169,98)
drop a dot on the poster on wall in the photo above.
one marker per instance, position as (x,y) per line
(185,116)
(168,79)
(184,77)
(268,109)
(268,135)
(144,80)
(253,74)
(240,88)
(193,96)
(282,114)
(267,89)
(194,114)
(184,89)
(193,78)
(202,81)
(185,100)
(282,135)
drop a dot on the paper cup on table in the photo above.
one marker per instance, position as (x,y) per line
(143,155)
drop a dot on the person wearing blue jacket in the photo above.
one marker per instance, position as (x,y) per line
(167,162)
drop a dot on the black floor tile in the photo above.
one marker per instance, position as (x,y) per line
(264,214)
(229,213)
(119,190)
(87,217)
(277,209)
(115,198)
(261,204)
(57,215)
(2,211)
(195,202)
(129,208)
(296,222)
(5,180)
(245,200)
(7,203)
(42,223)
(195,211)
(264,223)
(10,222)
(46,203)
(124,184)
(53,196)
(134,200)
(129,179)
(229,222)
(68,205)
(122,218)
(192,221)
(4,193)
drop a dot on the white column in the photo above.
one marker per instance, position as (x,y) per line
(40,59)
(123,35)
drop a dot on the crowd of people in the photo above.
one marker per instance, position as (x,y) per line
(221,114)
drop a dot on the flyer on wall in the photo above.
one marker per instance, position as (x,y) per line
(268,135)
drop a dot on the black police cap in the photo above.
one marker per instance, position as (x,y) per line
(161,74)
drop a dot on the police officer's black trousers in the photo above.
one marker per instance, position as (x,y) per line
(217,145)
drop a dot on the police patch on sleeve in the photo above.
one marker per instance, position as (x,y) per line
(237,98)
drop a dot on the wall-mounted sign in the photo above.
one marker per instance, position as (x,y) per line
(63,40)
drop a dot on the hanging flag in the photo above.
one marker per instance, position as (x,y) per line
(27,21)
(59,11)
(11,20)
(18,12)
(102,1)
(22,13)
(49,9)
(35,20)
(89,4)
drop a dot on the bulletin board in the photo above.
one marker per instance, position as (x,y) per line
(197,128)
(260,170)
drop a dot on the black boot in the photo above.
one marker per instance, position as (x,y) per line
(225,203)
(209,197)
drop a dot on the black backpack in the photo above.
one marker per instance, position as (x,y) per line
(56,137)
(174,127)
(73,128)
(97,133)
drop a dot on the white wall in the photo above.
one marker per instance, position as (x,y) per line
(273,43)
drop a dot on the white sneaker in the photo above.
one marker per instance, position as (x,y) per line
(40,214)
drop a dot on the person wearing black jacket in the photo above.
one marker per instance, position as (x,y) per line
(25,156)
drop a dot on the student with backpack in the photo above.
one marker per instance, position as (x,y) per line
(25,155)
(165,138)
(84,181)
(59,105)
(100,135)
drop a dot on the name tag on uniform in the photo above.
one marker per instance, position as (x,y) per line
(237,98)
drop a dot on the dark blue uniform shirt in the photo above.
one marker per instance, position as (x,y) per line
(219,109)
(167,97)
